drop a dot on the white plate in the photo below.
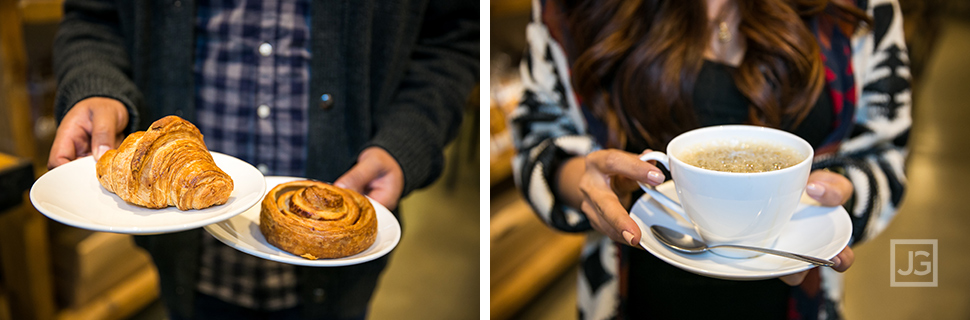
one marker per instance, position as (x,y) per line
(242,232)
(814,230)
(72,195)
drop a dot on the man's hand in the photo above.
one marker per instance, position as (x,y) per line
(376,175)
(93,125)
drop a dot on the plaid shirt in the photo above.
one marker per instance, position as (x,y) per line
(252,75)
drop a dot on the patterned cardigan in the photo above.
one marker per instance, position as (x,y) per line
(871,103)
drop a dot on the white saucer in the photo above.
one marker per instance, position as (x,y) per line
(242,232)
(72,195)
(814,230)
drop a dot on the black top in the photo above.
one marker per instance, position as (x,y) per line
(667,292)
(717,101)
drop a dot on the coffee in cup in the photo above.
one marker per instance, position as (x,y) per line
(742,156)
(743,189)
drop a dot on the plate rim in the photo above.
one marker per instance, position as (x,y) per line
(841,217)
(47,212)
(289,258)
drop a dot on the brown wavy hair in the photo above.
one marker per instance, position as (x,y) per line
(638,61)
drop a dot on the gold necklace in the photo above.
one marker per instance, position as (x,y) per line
(723,33)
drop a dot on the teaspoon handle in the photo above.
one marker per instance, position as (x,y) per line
(812,260)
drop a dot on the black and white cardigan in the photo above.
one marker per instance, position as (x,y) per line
(549,127)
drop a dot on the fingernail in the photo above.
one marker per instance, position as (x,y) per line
(655,177)
(814,190)
(101,150)
(837,262)
(629,237)
(341,185)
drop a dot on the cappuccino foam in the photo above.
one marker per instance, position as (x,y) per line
(747,156)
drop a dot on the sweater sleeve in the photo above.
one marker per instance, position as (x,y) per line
(90,59)
(873,156)
(426,111)
(547,127)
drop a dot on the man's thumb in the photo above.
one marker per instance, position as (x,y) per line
(101,142)
(356,178)
(104,133)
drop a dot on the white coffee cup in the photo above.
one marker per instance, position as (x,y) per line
(728,207)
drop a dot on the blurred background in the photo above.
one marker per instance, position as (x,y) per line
(52,271)
(533,269)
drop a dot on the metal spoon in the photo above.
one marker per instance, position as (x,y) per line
(685,243)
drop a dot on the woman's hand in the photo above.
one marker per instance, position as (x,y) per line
(609,176)
(842,262)
(93,126)
(830,189)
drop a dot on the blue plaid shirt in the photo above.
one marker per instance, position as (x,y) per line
(252,65)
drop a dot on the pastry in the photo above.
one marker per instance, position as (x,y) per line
(167,165)
(316,220)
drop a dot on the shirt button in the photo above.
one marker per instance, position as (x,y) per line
(178,112)
(177,4)
(265,49)
(319,295)
(179,290)
(263,168)
(262,111)
(326,101)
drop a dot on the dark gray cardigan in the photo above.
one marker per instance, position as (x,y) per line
(397,74)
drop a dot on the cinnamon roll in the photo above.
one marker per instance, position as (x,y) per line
(316,220)
(167,165)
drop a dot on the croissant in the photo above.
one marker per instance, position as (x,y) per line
(317,220)
(168,165)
